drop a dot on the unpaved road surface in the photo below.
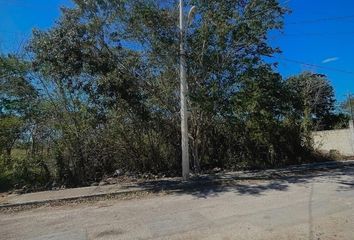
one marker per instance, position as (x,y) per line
(313,206)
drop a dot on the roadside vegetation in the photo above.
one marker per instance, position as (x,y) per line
(99,91)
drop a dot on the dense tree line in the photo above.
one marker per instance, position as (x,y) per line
(99,91)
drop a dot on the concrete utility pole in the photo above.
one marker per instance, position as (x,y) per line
(184,89)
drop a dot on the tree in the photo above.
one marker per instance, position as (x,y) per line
(335,120)
(106,93)
(16,92)
(19,114)
(313,99)
(111,70)
(11,128)
(17,97)
(347,106)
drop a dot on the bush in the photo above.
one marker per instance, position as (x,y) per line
(19,172)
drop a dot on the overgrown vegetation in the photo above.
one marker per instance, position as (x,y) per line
(100,92)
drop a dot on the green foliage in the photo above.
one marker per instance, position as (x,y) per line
(313,98)
(347,106)
(10,131)
(16,92)
(103,92)
(335,121)
(22,172)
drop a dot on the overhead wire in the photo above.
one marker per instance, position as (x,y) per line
(334,18)
(318,20)
(313,65)
(319,34)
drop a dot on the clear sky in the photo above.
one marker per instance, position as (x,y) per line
(328,43)
(318,32)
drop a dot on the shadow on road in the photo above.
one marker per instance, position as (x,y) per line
(346,186)
(256,183)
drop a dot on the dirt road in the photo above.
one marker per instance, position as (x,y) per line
(313,206)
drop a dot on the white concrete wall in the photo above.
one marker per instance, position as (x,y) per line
(341,140)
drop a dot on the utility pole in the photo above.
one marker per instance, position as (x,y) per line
(183,91)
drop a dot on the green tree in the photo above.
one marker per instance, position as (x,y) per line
(19,112)
(11,128)
(110,70)
(17,97)
(347,106)
(106,92)
(313,99)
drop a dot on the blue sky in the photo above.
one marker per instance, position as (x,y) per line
(18,17)
(324,43)
(319,41)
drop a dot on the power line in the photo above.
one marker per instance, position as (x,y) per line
(314,65)
(318,34)
(327,19)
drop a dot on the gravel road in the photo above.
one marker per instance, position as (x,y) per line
(312,206)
